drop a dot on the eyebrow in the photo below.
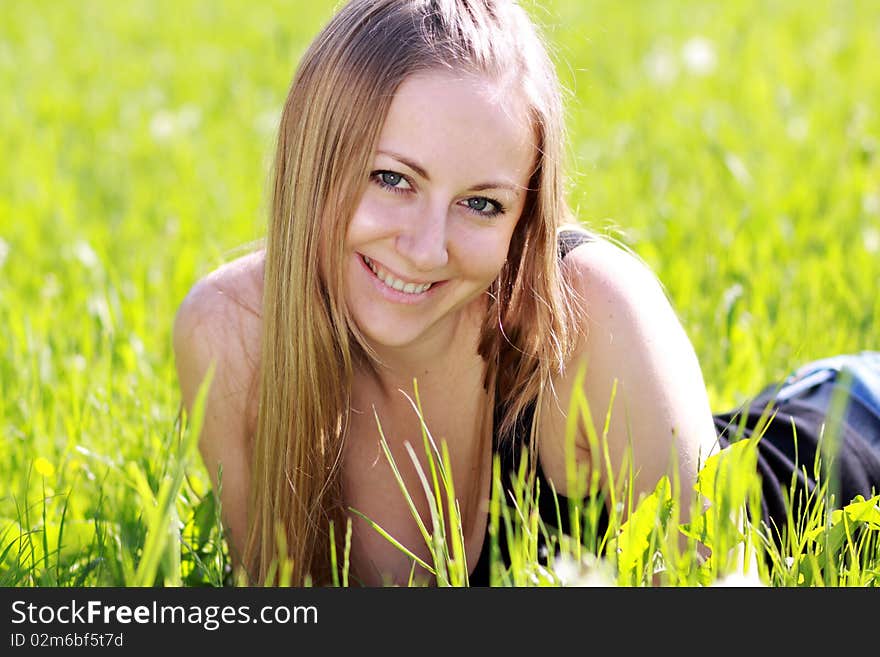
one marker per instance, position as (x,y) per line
(424,174)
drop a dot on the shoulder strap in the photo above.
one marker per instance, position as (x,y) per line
(570,238)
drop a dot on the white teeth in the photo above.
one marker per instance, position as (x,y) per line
(396,283)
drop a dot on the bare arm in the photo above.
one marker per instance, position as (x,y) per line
(206,330)
(632,336)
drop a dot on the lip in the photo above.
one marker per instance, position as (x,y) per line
(396,295)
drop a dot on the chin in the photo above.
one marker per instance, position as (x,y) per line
(388,336)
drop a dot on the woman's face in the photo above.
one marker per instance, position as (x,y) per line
(446,191)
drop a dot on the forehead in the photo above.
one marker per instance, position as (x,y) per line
(461,121)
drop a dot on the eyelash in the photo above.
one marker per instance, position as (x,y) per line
(499,210)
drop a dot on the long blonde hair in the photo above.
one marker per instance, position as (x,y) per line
(329,128)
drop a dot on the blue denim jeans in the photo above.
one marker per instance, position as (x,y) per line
(815,382)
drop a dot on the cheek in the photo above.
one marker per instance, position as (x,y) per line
(374,217)
(484,253)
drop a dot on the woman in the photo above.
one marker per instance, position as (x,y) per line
(417,235)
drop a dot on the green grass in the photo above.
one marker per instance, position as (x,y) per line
(735,146)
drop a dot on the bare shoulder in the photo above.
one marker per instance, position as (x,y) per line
(219,321)
(610,280)
(641,370)
(628,326)
(232,291)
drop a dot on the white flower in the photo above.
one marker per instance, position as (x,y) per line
(137,345)
(739,580)
(83,252)
(738,169)
(798,128)
(591,571)
(166,124)
(871,240)
(660,66)
(162,125)
(699,57)
(4,251)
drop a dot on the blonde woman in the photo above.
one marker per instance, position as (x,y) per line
(419,232)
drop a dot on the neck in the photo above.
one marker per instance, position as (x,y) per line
(443,363)
(449,374)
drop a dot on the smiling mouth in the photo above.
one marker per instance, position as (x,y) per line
(395,283)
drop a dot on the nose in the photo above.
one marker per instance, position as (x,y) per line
(423,240)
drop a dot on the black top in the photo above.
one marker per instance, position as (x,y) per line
(782,465)
(509,452)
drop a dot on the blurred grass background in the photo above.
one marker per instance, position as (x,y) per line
(733,145)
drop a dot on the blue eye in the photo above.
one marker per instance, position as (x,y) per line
(391,181)
(400,184)
(483,206)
